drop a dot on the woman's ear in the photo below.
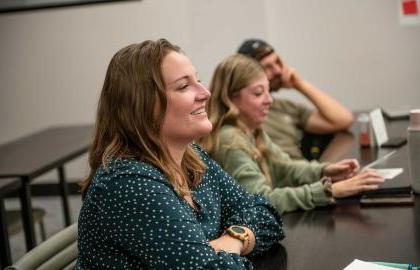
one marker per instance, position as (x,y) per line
(235,100)
(235,97)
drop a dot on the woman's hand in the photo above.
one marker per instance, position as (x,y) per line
(227,243)
(231,244)
(341,170)
(364,181)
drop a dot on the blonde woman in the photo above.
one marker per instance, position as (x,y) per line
(153,199)
(238,107)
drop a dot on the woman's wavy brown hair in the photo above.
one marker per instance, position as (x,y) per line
(232,75)
(130,113)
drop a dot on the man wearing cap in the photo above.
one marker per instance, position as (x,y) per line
(287,120)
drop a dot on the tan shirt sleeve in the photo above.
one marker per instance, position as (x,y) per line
(285,125)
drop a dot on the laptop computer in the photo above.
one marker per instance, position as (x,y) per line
(397,190)
(380,133)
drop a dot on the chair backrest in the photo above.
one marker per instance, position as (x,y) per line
(57,252)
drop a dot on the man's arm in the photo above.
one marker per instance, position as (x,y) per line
(329,115)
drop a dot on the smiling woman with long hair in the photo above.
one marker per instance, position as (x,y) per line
(237,108)
(154,199)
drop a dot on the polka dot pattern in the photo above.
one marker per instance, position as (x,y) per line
(131,218)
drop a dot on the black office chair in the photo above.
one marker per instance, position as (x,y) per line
(14,221)
(313,145)
(57,252)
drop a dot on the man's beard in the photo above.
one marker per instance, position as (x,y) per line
(276,83)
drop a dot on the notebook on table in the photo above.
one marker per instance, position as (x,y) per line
(396,191)
(393,199)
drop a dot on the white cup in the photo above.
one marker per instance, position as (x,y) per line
(414,149)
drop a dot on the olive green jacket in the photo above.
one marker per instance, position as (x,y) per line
(295,184)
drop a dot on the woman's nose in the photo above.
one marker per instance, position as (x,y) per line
(203,93)
(268,98)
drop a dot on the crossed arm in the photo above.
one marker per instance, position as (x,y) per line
(159,229)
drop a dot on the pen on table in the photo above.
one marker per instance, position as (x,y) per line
(378,160)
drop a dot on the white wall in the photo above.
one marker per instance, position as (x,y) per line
(53,61)
(355,50)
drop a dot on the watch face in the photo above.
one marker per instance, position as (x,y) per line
(238,229)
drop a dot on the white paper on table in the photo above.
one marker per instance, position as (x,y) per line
(389,173)
(361,265)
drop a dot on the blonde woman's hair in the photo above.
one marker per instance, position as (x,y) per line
(128,122)
(231,76)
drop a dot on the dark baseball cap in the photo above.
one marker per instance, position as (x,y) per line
(255,48)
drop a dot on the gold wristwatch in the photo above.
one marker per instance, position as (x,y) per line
(240,233)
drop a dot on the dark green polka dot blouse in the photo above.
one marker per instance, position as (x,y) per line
(131,218)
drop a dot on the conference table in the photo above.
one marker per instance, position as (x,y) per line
(324,238)
(23,160)
(332,237)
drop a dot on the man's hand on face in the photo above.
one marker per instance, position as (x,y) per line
(284,76)
(288,77)
(291,78)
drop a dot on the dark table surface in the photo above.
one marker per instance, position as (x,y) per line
(332,237)
(26,158)
(39,152)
